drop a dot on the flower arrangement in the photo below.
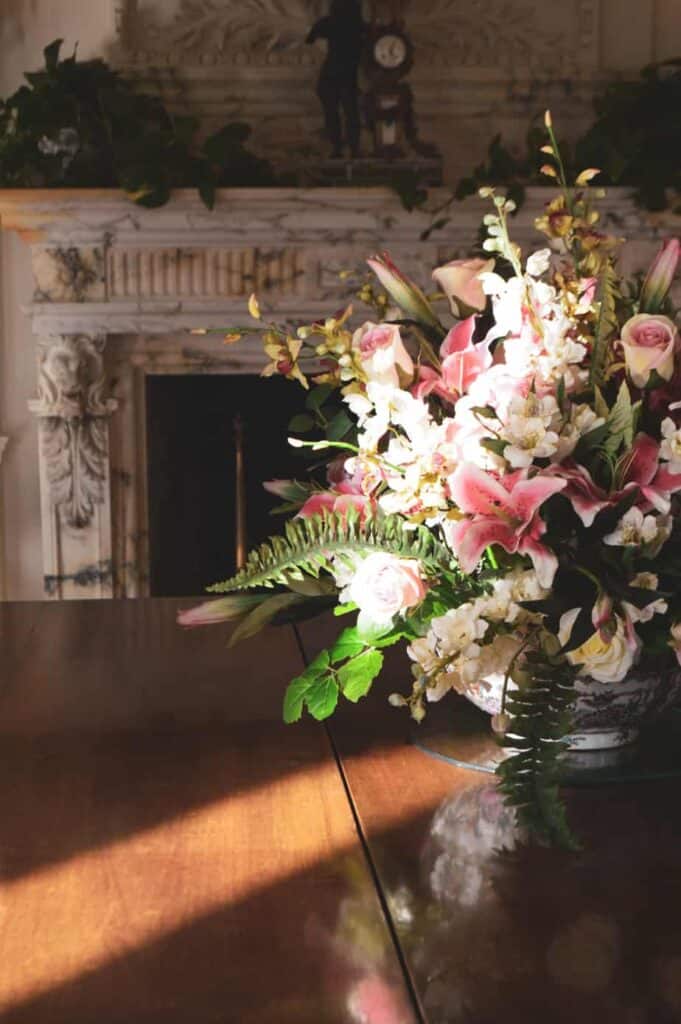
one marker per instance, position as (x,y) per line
(502,492)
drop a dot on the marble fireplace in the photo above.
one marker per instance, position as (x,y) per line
(118,290)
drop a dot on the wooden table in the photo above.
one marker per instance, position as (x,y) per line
(170,852)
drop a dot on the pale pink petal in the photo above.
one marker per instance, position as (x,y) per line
(667,482)
(586,498)
(476,492)
(459,338)
(461,369)
(528,496)
(644,460)
(469,538)
(362,504)
(543,559)
(318,503)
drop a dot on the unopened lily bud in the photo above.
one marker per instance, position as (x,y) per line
(404,292)
(660,276)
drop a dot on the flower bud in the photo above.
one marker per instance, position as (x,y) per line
(404,292)
(660,276)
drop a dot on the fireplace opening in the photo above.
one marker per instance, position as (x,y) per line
(193,423)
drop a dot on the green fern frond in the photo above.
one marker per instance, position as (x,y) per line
(607,326)
(310,543)
(541,718)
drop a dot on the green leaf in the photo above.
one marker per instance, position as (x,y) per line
(310,544)
(320,664)
(347,645)
(294,698)
(494,444)
(344,609)
(601,407)
(317,396)
(322,698)
(51,54)
(298,689)
(620,422)
(262,615)
(301,424)
(541,718)
(358,674)
(340,425)
(607,325)
(206,190)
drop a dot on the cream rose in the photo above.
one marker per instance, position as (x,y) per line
(460,281)
(382,353)
(383,587)
(649,343)
(605,660)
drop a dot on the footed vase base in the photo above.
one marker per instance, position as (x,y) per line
(462,736)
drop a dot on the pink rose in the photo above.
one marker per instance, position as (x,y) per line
(374,1001)
(460,281)
(385,586)
(649,342)
(382,353)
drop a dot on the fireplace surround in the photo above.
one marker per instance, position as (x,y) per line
(118,289)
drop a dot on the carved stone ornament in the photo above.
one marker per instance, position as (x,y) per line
(73,415)
(451,33)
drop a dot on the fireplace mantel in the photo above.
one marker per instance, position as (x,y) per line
(117,289)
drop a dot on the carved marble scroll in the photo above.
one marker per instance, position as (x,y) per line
(73,415)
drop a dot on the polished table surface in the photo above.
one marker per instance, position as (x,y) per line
(169,851)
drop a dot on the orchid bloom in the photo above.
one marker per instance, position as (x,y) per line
(504,512)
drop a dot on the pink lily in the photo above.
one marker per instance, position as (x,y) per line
(602,615)
(642,471)
(586,497)
(656,483)
(462,364)
(337,504)
(503,511)
(463,361)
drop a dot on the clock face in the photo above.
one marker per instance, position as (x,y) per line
(390,51)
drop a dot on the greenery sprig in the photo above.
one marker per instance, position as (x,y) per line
(82,124)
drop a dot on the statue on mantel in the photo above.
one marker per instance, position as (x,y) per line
(338,88)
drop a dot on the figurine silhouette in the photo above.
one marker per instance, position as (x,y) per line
(338,89)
